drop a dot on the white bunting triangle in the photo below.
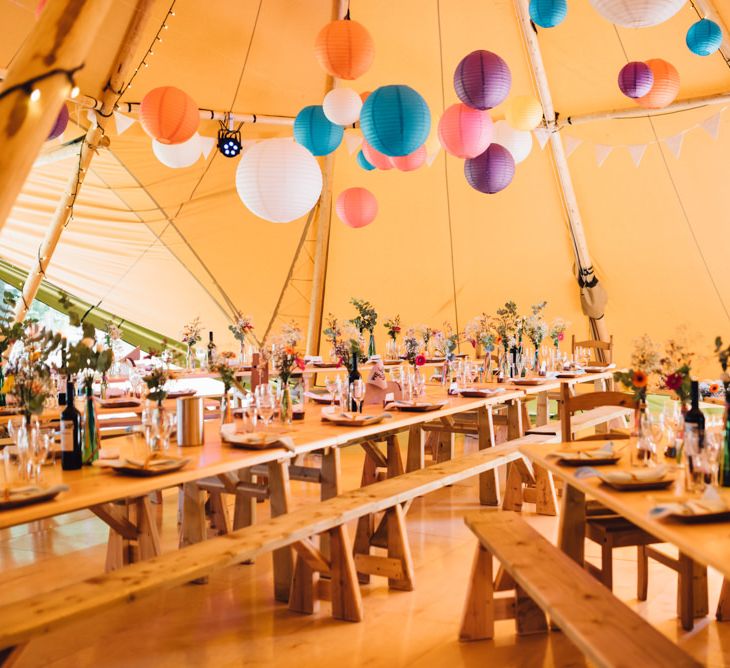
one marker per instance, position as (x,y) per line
(353,140)
(91,117)
(602,152)
(122,122)
(571,143)
(675,143)
(712,125)
(432,153)
(542,135)
(637,152)
(206,145)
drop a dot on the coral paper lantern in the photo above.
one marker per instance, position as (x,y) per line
(482,80)
(60,125)
(364,162)
(395,120)
(517,142)
(412,161)
(637,13)
(278,180)
(704,37)
(635,79)
(548,13)
(314,131)
(665,87)
(376,158)
(524,112)
(169,115)
(345,49)
(491,171)
(177,156)
(356,207)
(465,132)
(342,106)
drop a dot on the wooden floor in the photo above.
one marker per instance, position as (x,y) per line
(233,621)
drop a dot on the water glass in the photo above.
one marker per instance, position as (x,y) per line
(265,407)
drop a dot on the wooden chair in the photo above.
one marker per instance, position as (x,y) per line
(602,350)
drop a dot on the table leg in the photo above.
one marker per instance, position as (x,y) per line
(193,529)
(488,482)
(541,418)
(723,605)
(283,558)
(514,420)
(572,527)
(416,458)
(329,487)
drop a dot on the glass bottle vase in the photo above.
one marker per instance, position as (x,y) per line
(91,439)
(286,409)
(371,345)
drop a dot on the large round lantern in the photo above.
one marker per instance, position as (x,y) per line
(278,180)
(169,115)
(517,142)
(356,207)
(342,106)
(178,156)
(364,162)
(635,79)
(345,49)
(60,125)
(491,171)
(376,158)
(482,80)
(665,87)
(704,37)
(524,112)
(637,13)
(412,161)
(314,131)
(395,120)
(548,13)
(465,132)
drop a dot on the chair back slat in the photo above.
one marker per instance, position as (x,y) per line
(603,349)
(570,404)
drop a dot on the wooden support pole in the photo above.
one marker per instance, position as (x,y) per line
(59,43)
(118,75)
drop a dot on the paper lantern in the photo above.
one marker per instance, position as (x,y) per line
(465,132)
(637,13)
(178,156)
(364,96)
(517,142)
(395,120)
(491,171)
(278,180)
(548,13)
(704,37)
(342,106)
(524,112)
(376,158)
(482,80)
(364,162)
(60,125)
(635,79)
(356,207)
(314,131)
(665,87)
(169,115)
(412,161)
(345,49)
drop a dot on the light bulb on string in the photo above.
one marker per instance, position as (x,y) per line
(35,95)
(75,92)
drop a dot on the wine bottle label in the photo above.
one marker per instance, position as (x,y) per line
(67,436)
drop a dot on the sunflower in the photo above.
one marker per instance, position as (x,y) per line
(639,379)
(714,388)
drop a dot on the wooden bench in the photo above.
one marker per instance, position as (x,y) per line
(547,581)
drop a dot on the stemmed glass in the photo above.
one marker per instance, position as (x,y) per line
(39,447)
(18,431)
(357,391)
(265,407)
(331,385)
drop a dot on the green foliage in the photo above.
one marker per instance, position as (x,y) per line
(10,331)
(367,316)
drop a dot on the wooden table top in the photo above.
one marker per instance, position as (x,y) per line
(707,544)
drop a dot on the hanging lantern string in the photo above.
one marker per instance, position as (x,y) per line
(29,85)
(702,15)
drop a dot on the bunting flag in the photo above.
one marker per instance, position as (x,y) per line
(122,122)
(602,152)
(91,117)
(637,152)
(353,140)
(571,144)
(675,144)
(207,144)
(712,125)
(542,135)
(433,148)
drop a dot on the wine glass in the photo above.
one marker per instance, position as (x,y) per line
(712,449)
(265,406)
(331,385)
(358,388)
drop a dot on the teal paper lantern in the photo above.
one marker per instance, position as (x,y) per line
(548,13)
(364,162)
(314,131)
(704,37)
(395,120)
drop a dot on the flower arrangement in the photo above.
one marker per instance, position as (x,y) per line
(10,332)
(332,332)
(350,346)
(723,356)
(393,327)
(286,360)
(426,333)
(290,336)
(535,327)
(191,332)
(412,348)
(446,342)
(676,368)
(227,375)
(508,325)
(480,331)
(241,328)
(366,317)
(557,331)
(645,362)
(156,380)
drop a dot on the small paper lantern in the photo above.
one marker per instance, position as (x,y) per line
(364,162)
(517,142)
(704,37)
(548,13)
(376,158)
(395,120)
(491,171)
(482,80)
(169,115)
(524,112)
(345,49)
(342,106)
(314,131)
(465,132)
(278,180)
(635,79)
(665,87)
(177,156)
(637,13)
(356,207)
(412,161)
(60,125)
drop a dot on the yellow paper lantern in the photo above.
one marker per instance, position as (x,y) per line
(524,112)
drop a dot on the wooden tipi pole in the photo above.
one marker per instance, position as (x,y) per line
(118,75)
(38,83)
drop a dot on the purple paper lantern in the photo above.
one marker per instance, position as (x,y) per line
(60,125)
(635,79)
(491,171)
(482,80)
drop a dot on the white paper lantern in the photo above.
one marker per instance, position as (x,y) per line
(342,106)
(278,180)
(517,142)
(178,156)
(637,13)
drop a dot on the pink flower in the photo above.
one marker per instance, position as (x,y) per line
(420,360)
(561,336)
(673,381)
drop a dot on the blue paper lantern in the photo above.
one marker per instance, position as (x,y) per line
(548,13)
(704,37)
(395,120)
(364,162)
(314,131)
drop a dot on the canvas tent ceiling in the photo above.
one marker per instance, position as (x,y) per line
(159,246)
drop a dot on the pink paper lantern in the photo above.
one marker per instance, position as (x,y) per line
(60,125)
(356,207)
(465,132)
(491,171)
(376,158)
(407,163)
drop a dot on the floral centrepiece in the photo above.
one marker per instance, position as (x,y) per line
(191,334)
(10,332)
(676,368)
(242,329)
(365,320)
(287,360)
(557,331)
(646,361)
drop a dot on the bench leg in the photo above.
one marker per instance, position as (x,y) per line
(692,599)
(542,416)
(193,528)
(513,489)
(303,597)
(244,509)
(399,548)
(220,521)
(642,575)
(528,616)
(477,620)
(395,462)
(329,487)
(415,459)
(546,501)
(148,541)
(366,524)
(346,599)
(488,482)
(10,655)
(283,558)
(572,527)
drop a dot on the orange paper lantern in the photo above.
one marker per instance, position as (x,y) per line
(169,115)
(345,49)
(666,85)
(356,207)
